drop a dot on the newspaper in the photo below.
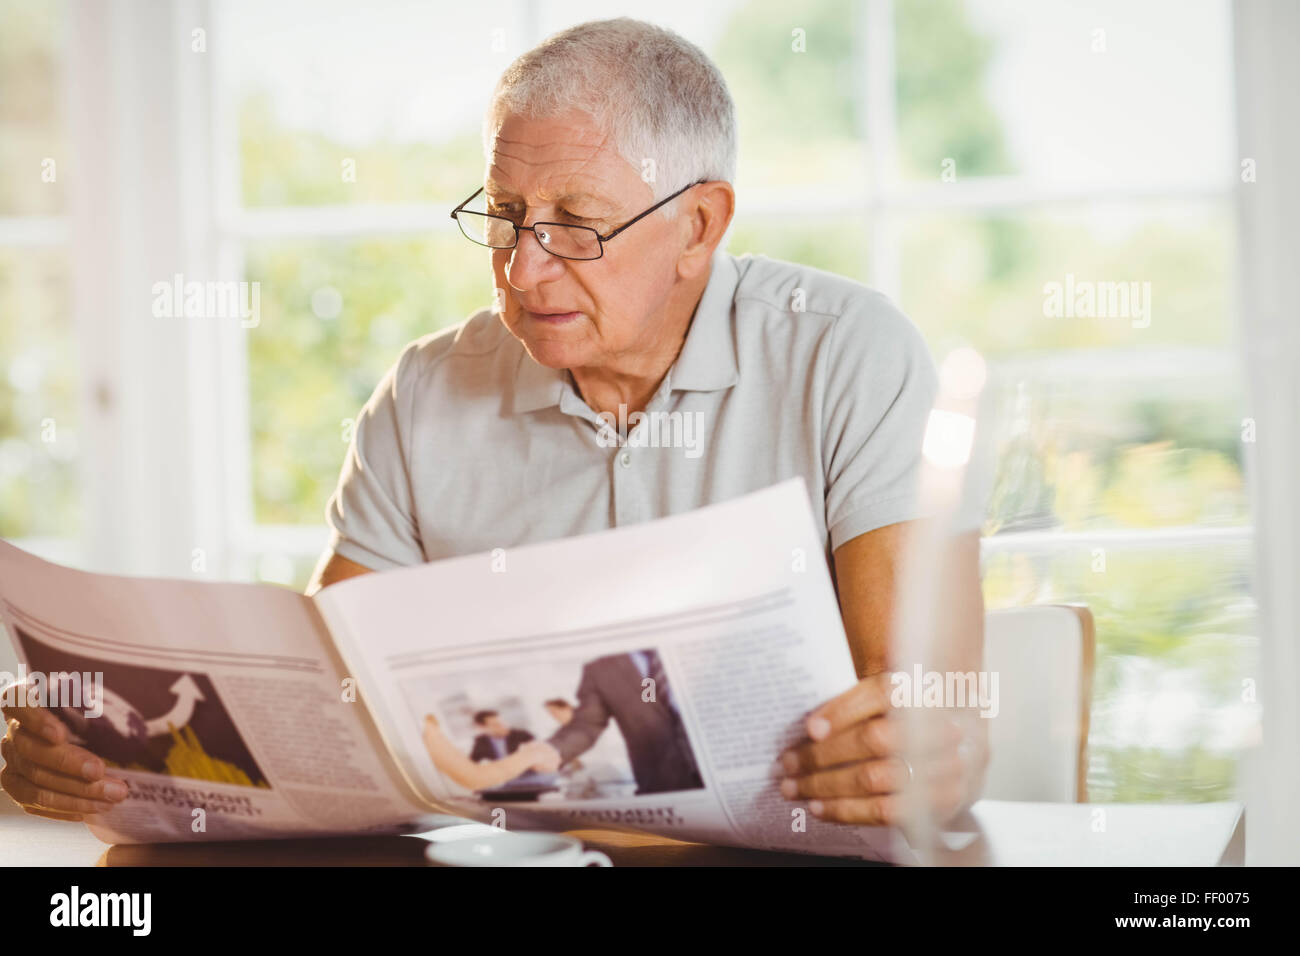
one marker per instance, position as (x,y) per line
(645,677)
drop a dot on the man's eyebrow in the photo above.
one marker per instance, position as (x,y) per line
(498,190)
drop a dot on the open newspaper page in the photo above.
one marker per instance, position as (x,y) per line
(222,705)
(645,677)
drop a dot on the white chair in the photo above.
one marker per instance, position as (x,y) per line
(1043,657)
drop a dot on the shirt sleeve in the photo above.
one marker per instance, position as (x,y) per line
(589,720)
(881,384)
(371,513)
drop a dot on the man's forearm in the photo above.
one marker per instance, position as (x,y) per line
(574,738)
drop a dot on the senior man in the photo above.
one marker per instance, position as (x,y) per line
(611,152)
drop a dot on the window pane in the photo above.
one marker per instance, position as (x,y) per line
(1108,92)
(31,108)
(337,103)
(343,310)
(1111,331)
(947,120)
(1172,710)
(798,93)
(1106,275)
(281,567)
(1113,451)
(39,490)
(834,243)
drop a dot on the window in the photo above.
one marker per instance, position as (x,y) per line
(40,502)
(970,156)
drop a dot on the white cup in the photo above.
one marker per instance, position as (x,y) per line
(515,849)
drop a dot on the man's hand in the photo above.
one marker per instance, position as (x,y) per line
(546,759)
(851,769)
(48,776)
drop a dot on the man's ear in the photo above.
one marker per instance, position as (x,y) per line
(708,215)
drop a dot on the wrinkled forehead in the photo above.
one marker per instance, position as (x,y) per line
(558,159)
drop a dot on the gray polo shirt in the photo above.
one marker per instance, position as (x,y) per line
(469,445)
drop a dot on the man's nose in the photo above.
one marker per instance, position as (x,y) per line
(529,263)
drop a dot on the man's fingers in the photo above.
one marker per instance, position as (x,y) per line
(884,775)
(107,789)
(49,777)
(879,811)
(870,738)
(864,700)
(877,737)
(859,775)
(29,795)
(67,759)
(940,795)
(36,720)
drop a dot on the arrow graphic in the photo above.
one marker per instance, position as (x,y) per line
(187,695)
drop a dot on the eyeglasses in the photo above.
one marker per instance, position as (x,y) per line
(558,238)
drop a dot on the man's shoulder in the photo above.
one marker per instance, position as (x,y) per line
(479,339)
(815,297)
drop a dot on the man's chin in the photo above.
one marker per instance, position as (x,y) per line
(553,353)
(551,347)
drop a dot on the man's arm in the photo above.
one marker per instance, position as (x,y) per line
(866,570)
(333,568)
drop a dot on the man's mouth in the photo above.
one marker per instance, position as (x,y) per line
(553,318)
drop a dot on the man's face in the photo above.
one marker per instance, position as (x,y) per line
(568,171)
(496,727)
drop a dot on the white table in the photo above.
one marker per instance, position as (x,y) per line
(1101,834)
(999,833)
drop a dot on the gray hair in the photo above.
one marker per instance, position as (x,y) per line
(660,97)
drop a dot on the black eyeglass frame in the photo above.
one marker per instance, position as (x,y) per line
(600,240)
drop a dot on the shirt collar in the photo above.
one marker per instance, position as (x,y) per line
(707,361)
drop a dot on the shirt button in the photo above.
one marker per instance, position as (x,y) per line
(625,460)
